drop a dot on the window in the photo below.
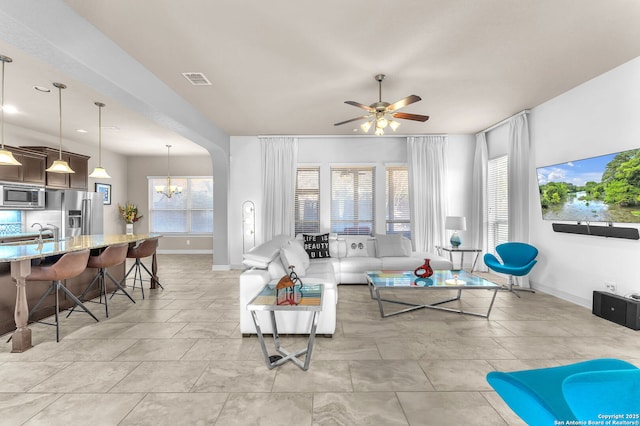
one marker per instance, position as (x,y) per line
(307,200)
(397,201)
(498,202)
(190,212)
(353,200)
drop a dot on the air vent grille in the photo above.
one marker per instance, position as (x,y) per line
(197,78)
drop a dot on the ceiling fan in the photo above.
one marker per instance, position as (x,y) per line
(381,113)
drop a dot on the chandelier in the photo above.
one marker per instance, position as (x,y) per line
(168,190)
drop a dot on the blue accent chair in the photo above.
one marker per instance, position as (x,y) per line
(577,392)
(517,260)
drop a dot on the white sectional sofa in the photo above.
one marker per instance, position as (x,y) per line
(328,259)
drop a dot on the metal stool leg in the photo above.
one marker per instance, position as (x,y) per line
(118,287)
(101,288)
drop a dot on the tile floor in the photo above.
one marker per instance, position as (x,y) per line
(177,358)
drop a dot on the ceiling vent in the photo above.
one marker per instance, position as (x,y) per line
(197,78)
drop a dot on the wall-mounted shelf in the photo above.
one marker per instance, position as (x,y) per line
(598,230)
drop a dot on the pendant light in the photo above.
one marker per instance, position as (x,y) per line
(59,165)
(99,172)
(6,157)
(170,190)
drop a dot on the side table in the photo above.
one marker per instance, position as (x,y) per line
(462,250)
(266,300)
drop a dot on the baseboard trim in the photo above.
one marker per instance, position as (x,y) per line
(585,303)
(221,267)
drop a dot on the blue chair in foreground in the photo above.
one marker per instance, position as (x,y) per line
(577,392)
(517,260)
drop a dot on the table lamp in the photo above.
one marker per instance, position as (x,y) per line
(455,224)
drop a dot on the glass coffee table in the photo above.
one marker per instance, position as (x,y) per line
(308,298)
(407,282)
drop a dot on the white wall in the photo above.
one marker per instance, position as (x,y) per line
(245,179)
(598,117)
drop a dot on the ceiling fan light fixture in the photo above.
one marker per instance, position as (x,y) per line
(394,125)
(379,131)
(382,122)
(365,126)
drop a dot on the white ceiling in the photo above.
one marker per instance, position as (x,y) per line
(286,67)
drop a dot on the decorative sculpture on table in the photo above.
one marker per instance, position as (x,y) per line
(289,289)
(424,271)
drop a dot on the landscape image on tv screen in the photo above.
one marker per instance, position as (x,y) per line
(597,189)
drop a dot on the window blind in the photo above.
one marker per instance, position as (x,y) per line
(398,218)
(307,200)
(498,202)
(353,200)
(190,212)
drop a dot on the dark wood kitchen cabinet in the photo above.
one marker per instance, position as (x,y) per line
(78,163)
(31,171)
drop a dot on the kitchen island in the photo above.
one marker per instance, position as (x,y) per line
(20,256)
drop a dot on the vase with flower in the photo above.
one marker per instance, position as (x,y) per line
(129,213)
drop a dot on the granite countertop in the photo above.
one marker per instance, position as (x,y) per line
(34,249)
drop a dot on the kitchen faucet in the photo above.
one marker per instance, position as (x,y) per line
(53,228)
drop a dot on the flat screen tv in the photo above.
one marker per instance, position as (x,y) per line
(597,189)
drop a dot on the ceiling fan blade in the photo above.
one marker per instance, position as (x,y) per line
(403,102)
(359,105)
(407,116)
(353,119)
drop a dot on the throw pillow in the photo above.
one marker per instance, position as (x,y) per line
(390,245)
(290,257)
(300,252)
(357,247)
(316,246)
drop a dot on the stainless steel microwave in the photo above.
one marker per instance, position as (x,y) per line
(19,197)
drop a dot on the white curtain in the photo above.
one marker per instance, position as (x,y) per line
(479,199)
(519,173)
(279,161)
(427,195)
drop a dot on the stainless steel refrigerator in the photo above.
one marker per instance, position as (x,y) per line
(74,212)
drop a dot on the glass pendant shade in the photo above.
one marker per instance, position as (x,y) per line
(99,172)
(379,131)
(365,126)
(6,157)
(394,125)
(59,165)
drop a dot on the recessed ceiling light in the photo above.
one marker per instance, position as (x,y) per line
(81,131)
(10,109)
(42,89)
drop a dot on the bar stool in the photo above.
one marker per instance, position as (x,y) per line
(69,265)
(110,256)
(144,249)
